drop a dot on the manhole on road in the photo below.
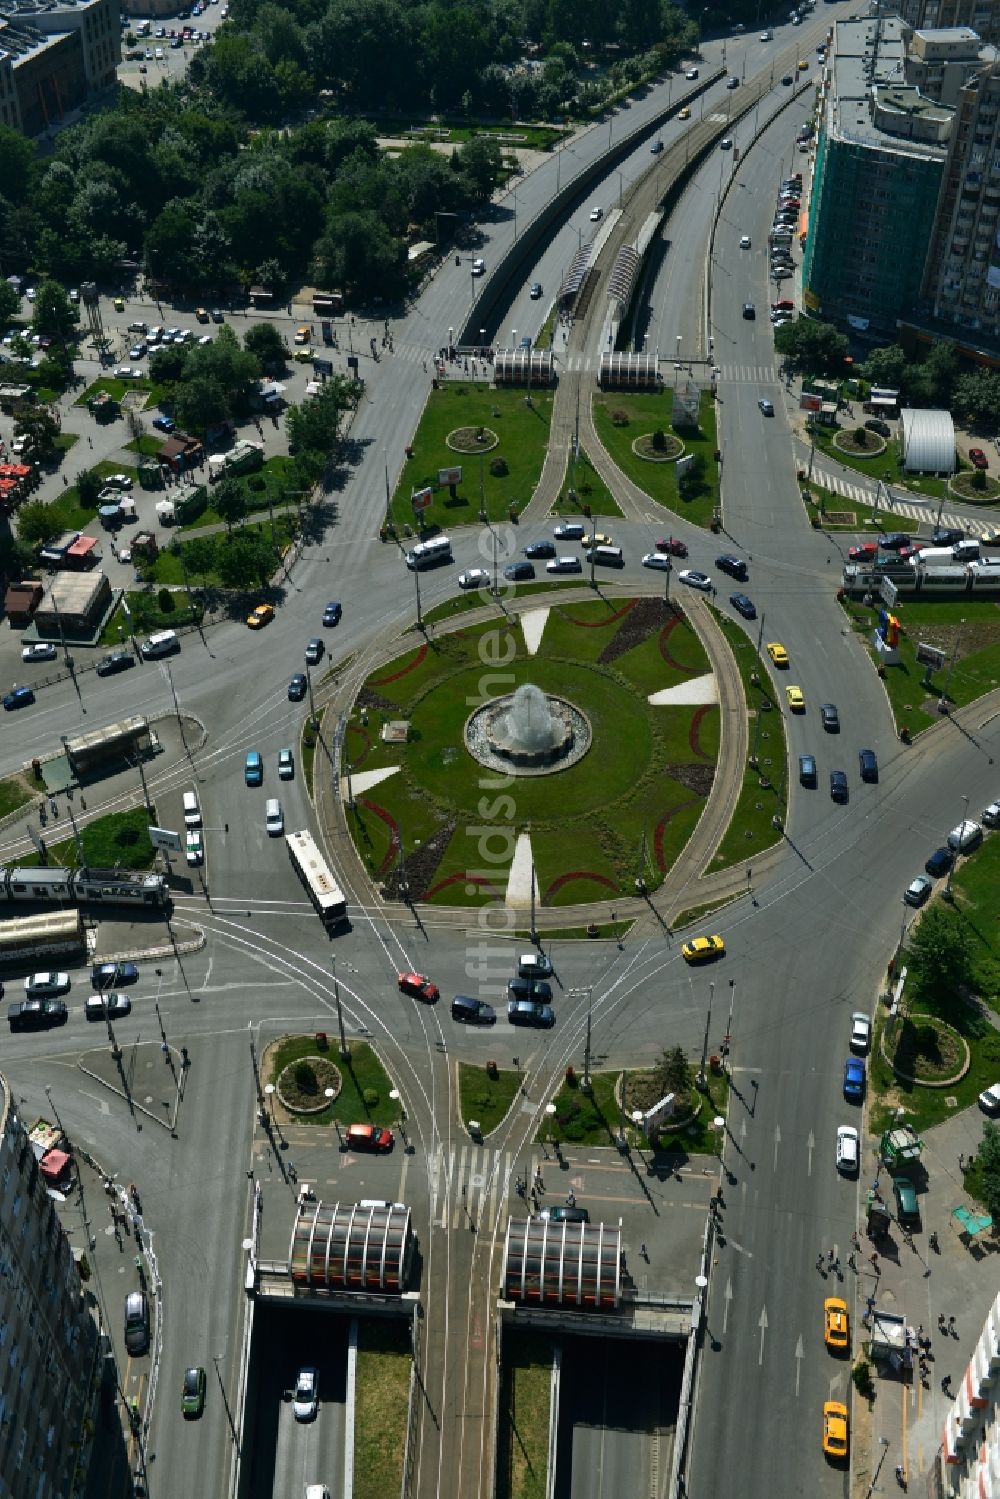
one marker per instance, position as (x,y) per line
(477,1181)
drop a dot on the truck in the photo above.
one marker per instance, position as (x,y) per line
(900,1150)
(326,328)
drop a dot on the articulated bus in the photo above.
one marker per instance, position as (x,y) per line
(312,869)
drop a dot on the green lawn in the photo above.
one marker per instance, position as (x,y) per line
(971,625)
(146,616)
(887,465)
(484,1098)
(525,1404)
(592,823)
(147,445)
(751,830)
(362,1073)
(592,495)
(382,1404)
(167,567)
(523,433)
(595,1119)
(645,413)
(121,839)
(13,794)
(114,388)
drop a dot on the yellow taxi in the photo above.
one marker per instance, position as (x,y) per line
(261,616)
(777,653)
(796,699)
(118,303)
(835,1429)
(836,1327)
(201,313)
(302,355)
(700,949)
(599,539)
(802,64)
(302,335)
(684,114)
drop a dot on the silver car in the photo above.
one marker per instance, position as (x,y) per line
(40,984)
(305,1399)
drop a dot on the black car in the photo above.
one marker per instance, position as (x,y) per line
(734,566)
(473,1011)
(565,1214)
(117,661)
(940,861)
(749,311)
(297,688)
(946,536)
(894,542)
(103,974)
(518,572)
(529,989)
(743,605)
(830,717)
(807,770)
(527,1012)
(36,1014)
(838,785)
(540,549)
(332,613)
(875,424)
(868,765)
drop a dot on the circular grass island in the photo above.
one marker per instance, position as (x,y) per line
(432,823)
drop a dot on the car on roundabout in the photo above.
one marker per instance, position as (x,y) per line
(867,551)
(703,949)
(564,565)
(569,530)
(367,1137)
(777,653)
(539,549)
(835,1423)
(672,545)
(107,1005)
(113,973)
(37,1014)
(519,572)
(476,577)
(598,539)
(658,561)
(743,605)
(836,1324)
(796,698)
(695,579)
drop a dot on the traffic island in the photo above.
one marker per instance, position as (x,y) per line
(622,419)
(302,1073)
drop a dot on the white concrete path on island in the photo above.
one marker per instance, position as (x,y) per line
(364,780)
(519,879)
(533,626)
(697,690)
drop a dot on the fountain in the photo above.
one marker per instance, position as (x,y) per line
(528,732)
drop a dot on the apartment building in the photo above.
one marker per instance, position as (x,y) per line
(980,16)
(55,55)
(48,1335)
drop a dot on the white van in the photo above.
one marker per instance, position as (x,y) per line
(163,643)
(429,553)
(192,811)
(605,556)
(967,550)
(967,836)
(273,819)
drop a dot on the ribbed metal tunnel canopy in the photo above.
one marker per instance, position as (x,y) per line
(928,442)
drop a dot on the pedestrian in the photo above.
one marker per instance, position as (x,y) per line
(851,1261)
(830,1257)
(961,1163)
(855,1240)
(90,442)
(942,1325)
(644,1252)
(819,1260)
(874,1260)
(952,1328)
(946,1384)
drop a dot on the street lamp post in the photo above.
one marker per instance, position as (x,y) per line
(344,1051)
(958,852)
(702,1078)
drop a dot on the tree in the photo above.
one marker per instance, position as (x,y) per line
(10,302)
(246,560)
(38,423)
(199,555)
(674,1071)
(886,367)
(357,252)
(268,347)
(977,397)
(16,156)
(230,501)
(199,402)
(812,345)
(53,311)
(88,487)
(314,427)
(941,952)
(37,524)
(989,1167)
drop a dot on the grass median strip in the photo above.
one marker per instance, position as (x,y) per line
(525,1408)
(382,1403)
(485,1093)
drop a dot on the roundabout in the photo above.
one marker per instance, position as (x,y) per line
(574,747)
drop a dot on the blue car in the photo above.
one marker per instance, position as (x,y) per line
(333,613)
(19,698)
(743,605)
(164,423)
(540,549)
(253,769)
(854,1079)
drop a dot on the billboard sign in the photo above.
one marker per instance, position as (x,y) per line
(421,498)
(164,838)
(930,655)
(449,476)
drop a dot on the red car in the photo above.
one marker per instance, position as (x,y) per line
(978,458)
(672,545)
(420,986)
(912,550)
(866,552)
(783,306)
(368,1137)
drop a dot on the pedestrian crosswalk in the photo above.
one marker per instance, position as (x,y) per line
(472,1184)
(749,374)
(902,509)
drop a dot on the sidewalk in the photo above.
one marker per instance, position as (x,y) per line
(915,1282)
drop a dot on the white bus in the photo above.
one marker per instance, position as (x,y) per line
(312,869)
(40,936)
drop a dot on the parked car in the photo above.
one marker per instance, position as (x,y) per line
(854,1079)
(918,890)
(136,1322)
(861,1031)
(940,862)
(978,458)
(848,1149)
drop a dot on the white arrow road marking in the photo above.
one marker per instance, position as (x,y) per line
(762,1324)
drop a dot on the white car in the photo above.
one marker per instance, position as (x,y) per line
(305,1400)
(42,651)
(861,1031)
(118,481)
(780,273)
(476,577)
(40,984)
(725,144)
(848,1149)
(195,847)
(570,530)
(596,214)
(127,372)
(274,820)
(695,579)
(657,560)
(114,1005)
(744,241)
(989,1099)
(564,565)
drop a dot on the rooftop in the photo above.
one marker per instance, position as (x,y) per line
(870,102)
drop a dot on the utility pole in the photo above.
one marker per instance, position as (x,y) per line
(416,579)
(173,691)
(312,700)
(344,1051)
(482,487)
(640,880)
(958,852)
(342,730)
(702,1079)
(943,699)
(145,789)
(756,725)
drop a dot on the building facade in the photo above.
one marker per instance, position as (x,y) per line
(881,151)
(48,1336)
(982,16)
(55,55)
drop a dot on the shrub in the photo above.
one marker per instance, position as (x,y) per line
(370,1098)
(619,418)
(305,1077)
(659,440)
(165,601)
(498,468)
(861,437)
